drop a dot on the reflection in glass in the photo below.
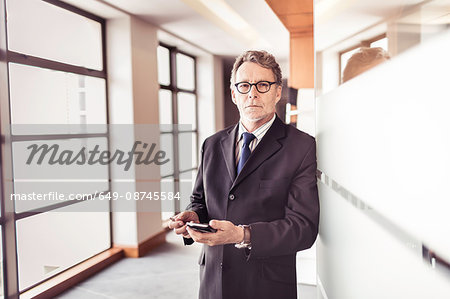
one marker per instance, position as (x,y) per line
(75,40)
(185,72)
(345,57)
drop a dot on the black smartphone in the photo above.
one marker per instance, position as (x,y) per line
(201,227)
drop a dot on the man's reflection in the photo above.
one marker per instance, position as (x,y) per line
(363,60)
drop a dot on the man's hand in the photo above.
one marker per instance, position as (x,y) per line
(178,222)
(227,233)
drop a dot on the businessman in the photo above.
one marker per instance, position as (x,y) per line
(256,186)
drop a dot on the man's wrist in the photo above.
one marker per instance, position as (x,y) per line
(245,239)
(240,235)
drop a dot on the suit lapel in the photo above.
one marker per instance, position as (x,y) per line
(228,151)
(268,146)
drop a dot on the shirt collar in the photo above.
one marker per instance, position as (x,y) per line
(259,132)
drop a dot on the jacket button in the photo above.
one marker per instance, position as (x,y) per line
(231,197)
(221,265)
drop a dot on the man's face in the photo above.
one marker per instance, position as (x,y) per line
(255,107)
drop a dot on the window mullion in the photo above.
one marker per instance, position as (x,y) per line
(176,162)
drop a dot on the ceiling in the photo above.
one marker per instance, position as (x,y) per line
(190,20)
(193,21)
(337,20)
(296,15)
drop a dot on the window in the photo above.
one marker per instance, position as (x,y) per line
(56,80)
(178,106)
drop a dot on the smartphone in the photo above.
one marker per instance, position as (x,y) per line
(201,227)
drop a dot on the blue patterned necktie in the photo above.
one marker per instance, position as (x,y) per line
(245,152)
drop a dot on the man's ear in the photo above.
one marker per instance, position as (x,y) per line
(233,97)
(278,98)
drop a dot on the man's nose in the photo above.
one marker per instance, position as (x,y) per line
(253,91)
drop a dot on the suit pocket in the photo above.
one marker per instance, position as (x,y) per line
(279,273)
(272,183)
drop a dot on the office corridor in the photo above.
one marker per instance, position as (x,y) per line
(168,272)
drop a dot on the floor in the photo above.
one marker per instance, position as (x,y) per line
(170,271)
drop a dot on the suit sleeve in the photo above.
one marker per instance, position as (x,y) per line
(298,229)
(198,203)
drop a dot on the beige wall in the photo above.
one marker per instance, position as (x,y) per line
(133,99)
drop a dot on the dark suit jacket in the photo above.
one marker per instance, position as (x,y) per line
(276,194)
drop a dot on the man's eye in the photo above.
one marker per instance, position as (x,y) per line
(244,85)
(263,85)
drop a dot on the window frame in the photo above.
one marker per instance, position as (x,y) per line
(173,51)
(9,216)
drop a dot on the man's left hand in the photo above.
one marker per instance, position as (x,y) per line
(227,233)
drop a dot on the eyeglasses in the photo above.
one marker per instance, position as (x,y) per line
(261,86)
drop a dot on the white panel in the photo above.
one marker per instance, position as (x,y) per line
(167,143)
(307,266)
(51,242)
(306,111)
(187,109)
(186,185)
(75,39)
(167,206)
(165,106)
(385,136)
(62,177)
(185,72)
(55,97)
(358,258)
(163,66)
(187,155)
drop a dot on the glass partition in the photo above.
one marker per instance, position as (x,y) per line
(383,143)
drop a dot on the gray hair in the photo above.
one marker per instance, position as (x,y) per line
(262,58)
(361,59)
